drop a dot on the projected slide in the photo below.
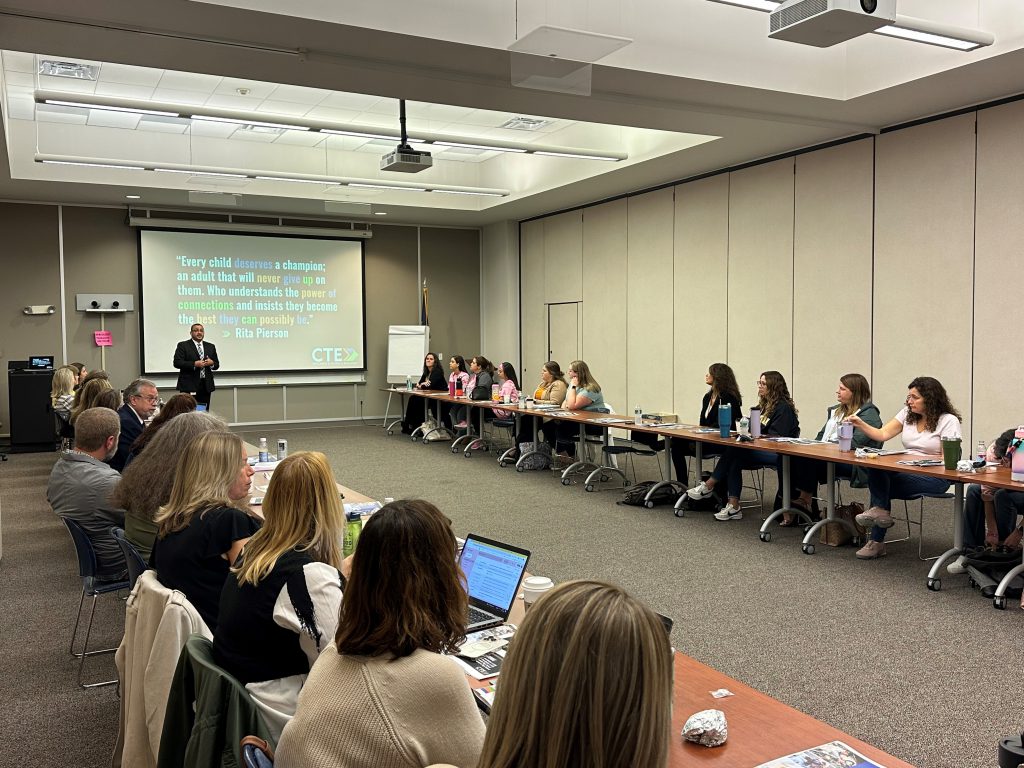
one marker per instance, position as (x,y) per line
(268,303)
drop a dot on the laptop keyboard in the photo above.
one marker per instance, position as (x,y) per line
(476,615)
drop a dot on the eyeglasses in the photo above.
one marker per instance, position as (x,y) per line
(148,398)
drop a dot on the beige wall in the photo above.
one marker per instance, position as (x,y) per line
(895,256)
(99,255)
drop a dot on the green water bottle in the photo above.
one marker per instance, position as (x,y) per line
(353,526)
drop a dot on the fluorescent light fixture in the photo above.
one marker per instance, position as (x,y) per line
(297,180)
(576,155)
(934,33)
(757,5)
(187,172)
(85,164)
(379,213)
(466,192)
(361,134)
(361,185)
(484,147)
(107,108)
(246,121)
(133,197)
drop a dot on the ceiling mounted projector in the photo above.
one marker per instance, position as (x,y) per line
(823,23)
(405,159)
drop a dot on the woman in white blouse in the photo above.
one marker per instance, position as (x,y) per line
(926,418)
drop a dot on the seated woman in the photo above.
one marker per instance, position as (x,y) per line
(382,695)
(146,483)
(990,514)
(589,673)
(80,373)
(550,391)
(584,394)
(205,523)
(432,378)
(481,377)
(509,382)
(723,391)
(927,417)
(108,398)
(62,392)
(778,419)
(177,405)
(854,398)
(458,379)
(87,394)
(285,589)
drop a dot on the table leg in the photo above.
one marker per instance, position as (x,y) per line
(933,582)
(508,455)
(698,458)
(580,465)
(999,599)
(418,432)
(520,465)
(668,473)
(830,515)
(787,501)
(401,413)
(599,473)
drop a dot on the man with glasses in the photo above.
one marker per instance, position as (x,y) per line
(140,400)
(196,360)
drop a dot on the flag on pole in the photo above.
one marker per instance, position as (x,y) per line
(424,308)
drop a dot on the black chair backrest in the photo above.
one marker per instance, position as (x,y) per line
(136,565)
(83,548)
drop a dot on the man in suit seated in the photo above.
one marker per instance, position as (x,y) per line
(80,486)
(196,360)
(140,400)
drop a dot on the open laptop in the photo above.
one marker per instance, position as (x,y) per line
(493,573)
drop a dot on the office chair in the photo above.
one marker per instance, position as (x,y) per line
(136,565)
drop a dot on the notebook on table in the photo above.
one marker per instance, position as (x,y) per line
(493,572)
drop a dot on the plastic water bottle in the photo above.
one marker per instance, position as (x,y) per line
(1017,462)
(744,426)
(495,393)
(353,527)
(755,422)
(638,416)
(982,450)
(408,382)
(724,419)
(264,452)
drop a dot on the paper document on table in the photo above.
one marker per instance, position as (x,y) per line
(482,667)
(545,407)
(612,420)
(364,508)
(921,462)
(835,754)
(706,430)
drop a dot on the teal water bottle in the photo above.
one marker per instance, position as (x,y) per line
(724,419)
(353,527)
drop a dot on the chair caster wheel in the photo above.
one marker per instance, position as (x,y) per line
(766,536)
(455,450)
(972,582)
(468,453)
(649,504)
(678,513)
(565,481)
(935,585)
(588,488)
(999,603)
(390,432)
(502,464)
(519,469)
(605,478)
(807,529)
(808,549)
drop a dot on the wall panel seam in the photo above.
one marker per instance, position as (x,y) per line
(63,288)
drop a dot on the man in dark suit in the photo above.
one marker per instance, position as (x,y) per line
(196,360)
(140,400)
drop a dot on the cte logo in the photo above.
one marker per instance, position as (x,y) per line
(334,354)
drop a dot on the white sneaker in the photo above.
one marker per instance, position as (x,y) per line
(958,566)
(729,512)
(700,492)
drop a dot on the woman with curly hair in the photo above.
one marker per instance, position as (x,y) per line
(778,419)
(926,418)
(382,695)
(722,390)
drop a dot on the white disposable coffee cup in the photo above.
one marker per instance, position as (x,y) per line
(534,587)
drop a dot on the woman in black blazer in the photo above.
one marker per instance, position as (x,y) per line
(431,378)
(723,391)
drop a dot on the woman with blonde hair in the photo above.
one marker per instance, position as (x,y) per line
(286,588)
(382,695)
(146,482)
(62,391)
(587,682)
(205,523)
(87,395)
(584,394)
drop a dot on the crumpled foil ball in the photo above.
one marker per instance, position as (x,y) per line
(707,727)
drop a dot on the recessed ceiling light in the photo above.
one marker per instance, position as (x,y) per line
(379,213)
(72,69)
(524,123)
(133,197)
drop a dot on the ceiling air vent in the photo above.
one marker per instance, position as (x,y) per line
(525,123)
(70,69)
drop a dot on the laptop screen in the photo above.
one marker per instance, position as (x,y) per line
(493,571)
(41,362)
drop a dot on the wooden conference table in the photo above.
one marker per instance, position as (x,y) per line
(830,453)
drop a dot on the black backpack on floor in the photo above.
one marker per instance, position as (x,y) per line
(712,503)
(634,495)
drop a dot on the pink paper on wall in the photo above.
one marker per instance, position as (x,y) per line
(103,338)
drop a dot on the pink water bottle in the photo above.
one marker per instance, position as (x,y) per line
(1017,462)
(451,387)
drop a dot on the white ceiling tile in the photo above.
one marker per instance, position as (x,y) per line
(341,100)
(16,61)
(126,75)
(123,90)
(438,112)
(68,84)
(257,90)
(233,102)
(288,108)
(173,96)
(189,81)
(301,138)
(51,114)
(208,129)
(162,126)
(107,119)
(24,79)
(21,106)
(385,107)
(299,94)
(332,115)
(254,136)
